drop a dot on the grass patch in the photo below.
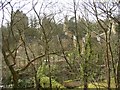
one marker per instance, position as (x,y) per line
(102,84)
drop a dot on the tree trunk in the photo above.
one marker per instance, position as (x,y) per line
(37,82)
(108,62)
(85,77)
(14,73)
(118,67)
(15,80)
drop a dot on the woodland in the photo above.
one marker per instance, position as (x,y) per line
(74,46)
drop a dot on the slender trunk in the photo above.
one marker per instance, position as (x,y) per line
(118,67)
(108,62)
(85,68)
(48,58)
(76,28)
(14,73)
(50,79)
(85,77)
(113,65)
(112,58)
(87,58)
(15,80)
(37,82)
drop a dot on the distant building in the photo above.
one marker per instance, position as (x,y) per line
(99,39)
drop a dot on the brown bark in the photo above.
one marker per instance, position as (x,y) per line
(118,67)
(112,57)
(14,73)
(85,77)
(108,62)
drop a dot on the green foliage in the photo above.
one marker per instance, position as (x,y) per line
(43,70)
(88,46)
(68,81)
(44,80)
(25,83)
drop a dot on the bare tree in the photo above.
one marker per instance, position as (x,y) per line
(10,53)
(101,10)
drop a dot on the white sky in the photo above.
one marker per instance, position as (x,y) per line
(55,6)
